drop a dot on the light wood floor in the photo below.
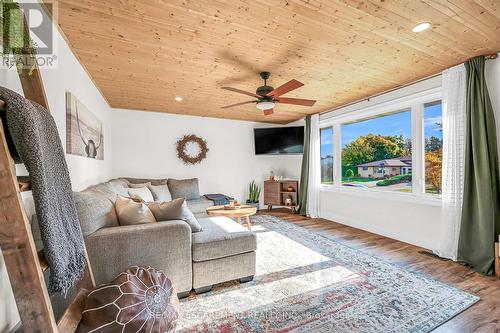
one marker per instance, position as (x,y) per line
(483,316)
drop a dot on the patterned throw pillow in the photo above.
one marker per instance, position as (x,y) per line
(138,300)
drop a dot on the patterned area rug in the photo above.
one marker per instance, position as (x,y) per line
(306,282)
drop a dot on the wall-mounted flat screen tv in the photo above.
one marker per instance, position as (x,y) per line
(279,140)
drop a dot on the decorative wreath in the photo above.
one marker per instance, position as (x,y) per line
(182,145)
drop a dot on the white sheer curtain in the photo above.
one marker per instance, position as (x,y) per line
(314,169)
(454,98)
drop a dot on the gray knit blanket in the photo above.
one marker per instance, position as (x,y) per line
(34,140)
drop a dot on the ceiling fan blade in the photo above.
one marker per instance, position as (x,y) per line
(245,69)
(237,104)
(239,61)
(241,92)
(283,89)
(296,101)
(268,112)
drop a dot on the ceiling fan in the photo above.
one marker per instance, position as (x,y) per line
(267,96)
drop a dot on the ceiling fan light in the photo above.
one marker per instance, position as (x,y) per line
(265,105)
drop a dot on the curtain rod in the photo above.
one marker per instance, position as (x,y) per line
(381,93)
(487,57)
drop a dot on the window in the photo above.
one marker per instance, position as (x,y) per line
(391,149)
(433,139)
(326,151)
(376,152)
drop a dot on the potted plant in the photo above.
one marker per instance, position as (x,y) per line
(16,38)
(253,195)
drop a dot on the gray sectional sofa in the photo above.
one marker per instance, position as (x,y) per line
(222,251)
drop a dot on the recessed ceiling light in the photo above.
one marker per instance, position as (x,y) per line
(421,27)
(178,98)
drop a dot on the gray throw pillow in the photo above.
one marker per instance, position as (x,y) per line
(161,181)
(95,211)
(176,209)
(160,192)
(184,188)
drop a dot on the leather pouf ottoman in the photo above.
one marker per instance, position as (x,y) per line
(138,300)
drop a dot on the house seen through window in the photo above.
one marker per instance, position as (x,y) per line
(376,153)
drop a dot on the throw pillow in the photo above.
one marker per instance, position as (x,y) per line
(184,188)
(130,212)
(138,300)
(95,211)
(137,185)
(159,181)
(160,192)
(141,193)
(176,209)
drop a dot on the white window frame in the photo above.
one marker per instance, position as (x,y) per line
(414,103)
(333,138)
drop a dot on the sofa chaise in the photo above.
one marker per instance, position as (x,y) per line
(222,251)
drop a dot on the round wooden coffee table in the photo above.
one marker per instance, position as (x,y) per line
(243,211)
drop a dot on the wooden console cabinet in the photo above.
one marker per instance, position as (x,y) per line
(276,192)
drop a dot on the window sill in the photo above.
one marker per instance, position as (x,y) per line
(423,199)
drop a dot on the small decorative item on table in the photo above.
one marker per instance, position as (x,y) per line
(233,205)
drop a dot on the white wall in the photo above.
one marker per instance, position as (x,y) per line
(414,223)
(144,146)
(68,76)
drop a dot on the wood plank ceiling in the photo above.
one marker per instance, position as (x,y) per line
(143,53)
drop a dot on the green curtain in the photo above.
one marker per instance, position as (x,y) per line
(304,175)
(480,223)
